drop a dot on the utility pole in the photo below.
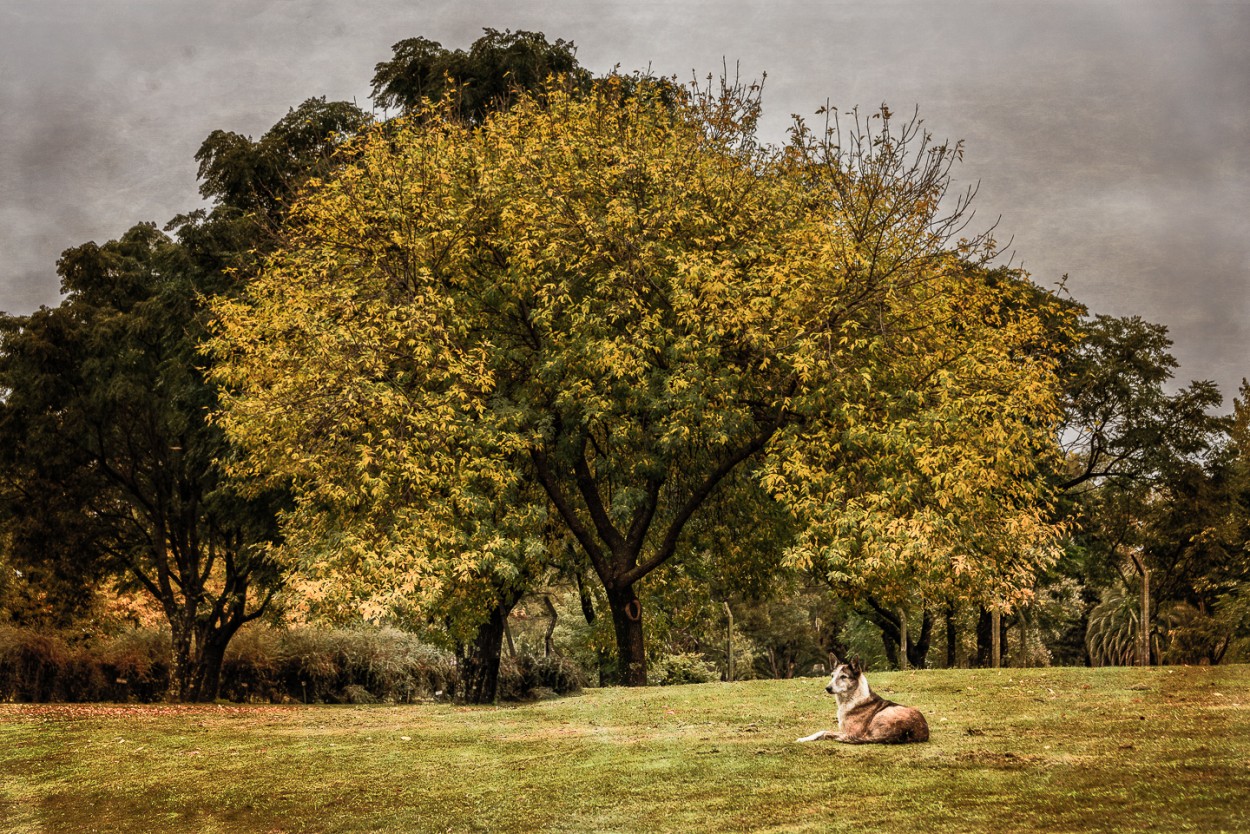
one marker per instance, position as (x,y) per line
(996,637)
(1143,634)
(902,637)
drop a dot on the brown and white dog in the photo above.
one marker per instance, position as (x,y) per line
(864,717)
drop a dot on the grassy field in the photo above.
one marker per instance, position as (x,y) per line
(1012,750)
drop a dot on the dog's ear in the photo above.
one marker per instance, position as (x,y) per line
(855,668)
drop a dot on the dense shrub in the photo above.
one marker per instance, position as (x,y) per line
(252,666)
(674,669)
(30,665)
(526,676)
(343,665)
(135,665)
(262,664)
(562,675)
(37,666)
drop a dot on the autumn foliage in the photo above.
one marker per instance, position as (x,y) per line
(574,325)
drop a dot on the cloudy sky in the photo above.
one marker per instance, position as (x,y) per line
(1109,137)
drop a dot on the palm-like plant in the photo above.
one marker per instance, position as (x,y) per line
(1114,627)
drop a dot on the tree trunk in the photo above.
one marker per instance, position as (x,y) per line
(507,636)
(631,650)
(952,637)
(881,617)
(479,661)
(984,638)
(549,646)
(890,644)
(180,665)
(996,638)
(918,649)
(195,664)
(212,659)
(893,636)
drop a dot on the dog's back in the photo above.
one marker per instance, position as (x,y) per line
(878,721)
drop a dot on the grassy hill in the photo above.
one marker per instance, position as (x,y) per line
(1012,750)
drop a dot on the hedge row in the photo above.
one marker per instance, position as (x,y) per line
(262,665)
(38,667)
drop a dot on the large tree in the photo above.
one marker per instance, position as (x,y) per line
(109,463)
(595,311)
(938,536)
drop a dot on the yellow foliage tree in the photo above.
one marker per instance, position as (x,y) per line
(587,315)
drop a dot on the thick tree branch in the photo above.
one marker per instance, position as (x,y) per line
(569,515)
(887,620)
(669,545)
(262,608)
(643,516)
(594,502)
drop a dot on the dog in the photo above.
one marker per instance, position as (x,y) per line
(864,717)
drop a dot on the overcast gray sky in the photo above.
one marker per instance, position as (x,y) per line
(1109,136)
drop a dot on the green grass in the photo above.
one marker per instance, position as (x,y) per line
(1012,750)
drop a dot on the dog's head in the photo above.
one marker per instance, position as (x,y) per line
(845,678)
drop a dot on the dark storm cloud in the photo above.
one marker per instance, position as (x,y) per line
(1107,135)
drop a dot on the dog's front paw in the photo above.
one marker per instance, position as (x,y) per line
(813,737)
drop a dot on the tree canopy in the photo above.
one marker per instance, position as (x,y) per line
(582,317)
(481,79)
(1143,479)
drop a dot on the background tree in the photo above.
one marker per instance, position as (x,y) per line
(1120,425)
(1193,532)
(251,182)
(108,460)
(497,67)
(1137,470)
(1223,590)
